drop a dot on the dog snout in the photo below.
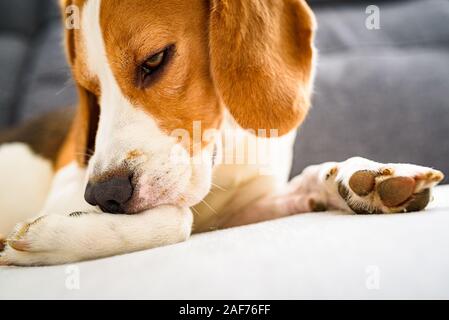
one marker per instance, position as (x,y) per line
(111,194)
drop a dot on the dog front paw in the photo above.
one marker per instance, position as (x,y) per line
(369,187)
(37,242)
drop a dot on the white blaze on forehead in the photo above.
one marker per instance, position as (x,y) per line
(96,56)
(122,126)
(93,38)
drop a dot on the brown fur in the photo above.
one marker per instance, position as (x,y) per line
(261,58)
(253,56)
(44,135)
(185,92)
(80,141)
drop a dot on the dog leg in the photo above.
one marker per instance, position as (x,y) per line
(25,180)
(356,185)
(56,239)
(366,187)
(70,230)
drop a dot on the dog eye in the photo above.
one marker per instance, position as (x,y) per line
(153,62)
(151,68)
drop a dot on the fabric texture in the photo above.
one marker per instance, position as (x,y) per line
(381,94)
(49,82)
(308,256)
(35,77)
(13,51)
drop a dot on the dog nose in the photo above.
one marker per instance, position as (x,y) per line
(110,195)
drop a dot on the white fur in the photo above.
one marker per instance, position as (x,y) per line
(56,237)
(24,184)
(241,193)
(318,184)
(67,192)
(124,127)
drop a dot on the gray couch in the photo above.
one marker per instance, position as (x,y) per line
(381,94)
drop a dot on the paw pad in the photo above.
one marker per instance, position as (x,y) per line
(362,182)
(369,187)
(419,201)
(396,191)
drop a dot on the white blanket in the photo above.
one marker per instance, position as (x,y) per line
(316,255)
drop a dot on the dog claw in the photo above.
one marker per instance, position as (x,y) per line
(19,245)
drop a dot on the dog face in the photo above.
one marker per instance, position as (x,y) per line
(147,69)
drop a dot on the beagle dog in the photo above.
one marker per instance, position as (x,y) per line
(186,120)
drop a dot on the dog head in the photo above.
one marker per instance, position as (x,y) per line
(148,69)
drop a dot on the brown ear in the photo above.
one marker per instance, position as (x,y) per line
(80,142)
(261,59)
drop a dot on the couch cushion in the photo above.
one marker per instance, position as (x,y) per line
(380,94)
(49,83)
(308,256)
(13,50)
(21,17)
(419,23)
(25,17)
(371,105)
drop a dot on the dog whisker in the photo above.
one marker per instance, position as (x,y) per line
(195,211)
(209,206)
(218,187)
(67,84)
